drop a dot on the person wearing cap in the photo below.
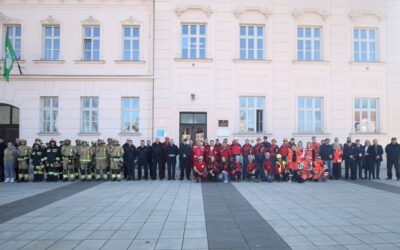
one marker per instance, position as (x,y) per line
(393,156)
(92,163)
(24,153)
(284,149)
(52,161)
(124,166)
(280,168)
(246,151)
(258,152)
(185,156)
(171,152)
(68,160)
(37,163)
(116,155)
(130,155)
(157,151)
(375,153)
(77,163)
(85,156)
(101,157)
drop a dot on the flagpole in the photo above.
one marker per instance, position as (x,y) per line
(19,66)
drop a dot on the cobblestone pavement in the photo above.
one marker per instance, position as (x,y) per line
(189,215)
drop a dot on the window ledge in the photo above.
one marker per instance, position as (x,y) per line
(251,61)
(311,134)
(252,134)
(367,133)
(193,59)
(367,63)
(90,61)
(311,62)
(129,61)
(88,134)
(15,62)
(48,134)
(49,61)
(130,134)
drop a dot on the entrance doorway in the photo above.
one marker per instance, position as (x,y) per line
(192,126)
(9,122)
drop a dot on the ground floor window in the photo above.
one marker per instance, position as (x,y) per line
(130,114)
(90,114)
(49,114)
(310,112)
(365,115)
(251,113)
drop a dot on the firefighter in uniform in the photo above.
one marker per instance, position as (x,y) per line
(92,163)
(37,163)
(24,153)
(85,159)
(78,144)
(101,158)
(52,159)
(68,155)
(116,154)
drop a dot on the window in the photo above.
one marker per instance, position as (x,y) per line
(193,118)
(251,112)
(365,115)
(193,41)
(310,114)
(51,50)
(365,45)
(90,114)
(14,33)
(91,43)
(49,114)
(251,42)
(130,114)
(131,43)
(308,44)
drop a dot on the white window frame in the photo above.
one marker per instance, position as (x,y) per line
(14,38)
(131,40)
(90,109)
(255,37)
(313,39)
(367,40)
(368,110)
(198,36)
(53,128)
(52,38)
(92,38)
(313,109)
(131,109)
(254,109)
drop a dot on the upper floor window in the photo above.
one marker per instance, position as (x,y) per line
(365,115)
(365,45)
(91,43)
(131,43)
(251,42)
(309,44)
(310,114)
(51,49)
(251,113)
(14,33)
(194,41)
(130,114)
(49,114)
(90,114)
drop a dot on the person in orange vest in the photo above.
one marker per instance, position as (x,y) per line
(280,168)
(320,172)
(200,170)
(251,168)
(305,169)
(309,151)
(315,146)
(236,170)
(337,161)
(213,169)
(268,168)
(293,161)
(246,151)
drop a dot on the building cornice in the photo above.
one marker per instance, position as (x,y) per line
(27,77)
(8,20)
(358,13)
(182,9)
(50,20)
(238,12)
(324,14)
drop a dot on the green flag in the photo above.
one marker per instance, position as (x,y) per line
(9,58)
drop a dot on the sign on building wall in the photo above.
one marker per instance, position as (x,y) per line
(223,123)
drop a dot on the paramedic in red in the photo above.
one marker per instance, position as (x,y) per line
(273,150)
(246,151)
(226,152)
(236,149)
(217,149)
(284,149)
(198,151)
(258,152)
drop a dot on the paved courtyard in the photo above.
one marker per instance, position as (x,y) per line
(188,215)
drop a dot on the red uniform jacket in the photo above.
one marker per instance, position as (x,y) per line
(237,168)
(315,146)
(251,167)
(309,153)
(284,149)
(259,150)
(207,152)
(217,152)
(337,156)
(247,149)
(214,168)
(197,152)
(267,166)
(226,153)
(273,150)
(235,149)
(200,167)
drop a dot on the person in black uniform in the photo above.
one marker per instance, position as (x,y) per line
(359,158)
(52,159)
(375,153)
(2,147)
(142,160)
(37,163)
(393,155)
(185,156)
(171,152)
(129,160)
(349,154)
(124,163)
(150,159)
(157,158)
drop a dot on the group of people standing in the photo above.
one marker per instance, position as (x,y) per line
(204,160)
